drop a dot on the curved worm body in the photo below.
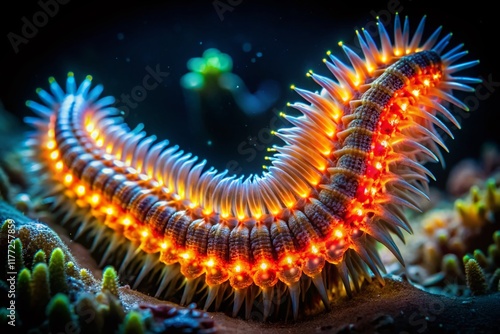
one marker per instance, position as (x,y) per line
(349,166)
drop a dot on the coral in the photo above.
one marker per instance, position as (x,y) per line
(110,281)
(133,323)
(40,288)
(476,281)
(57,272)
(447,233)
(60,316)
(39,257)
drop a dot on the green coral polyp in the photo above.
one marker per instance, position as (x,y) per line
(474,274)
(57,272)
(110,281)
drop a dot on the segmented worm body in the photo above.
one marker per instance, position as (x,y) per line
(349,166)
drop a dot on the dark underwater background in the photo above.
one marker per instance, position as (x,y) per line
(268,41)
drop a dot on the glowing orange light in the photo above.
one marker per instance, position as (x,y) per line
(210,263)
(80,190)
(89,127)
(263,266)
(54,155)
(94,134)
(426,82)
(192,205)
(144,234)
(314,249)
(59,165)
(126,221)
(51,144)
(404,106)
(237,268)
(68,178)
(95,199)
(289,260)
(397,52)
(338,234)
(99,142)
(163,245)
(51,133)
(241,217)
(378,165)
(185,256)
(415,92)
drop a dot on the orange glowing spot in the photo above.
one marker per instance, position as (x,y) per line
(206,212)
(126,221)
(89,127)
(51,144)
(95,199)
(210,263)
(326,153)
(338,234)
(289,260)
(192,205)
(290,205)
(224,215)
(359,212)
(59,165)
(109,149)
(99,142)
(163,245)
(80,190)
(257,216)
(378,165)
(68,178)
(404,106)
(51,133)
(415,92)
(94,134)
(263,266)
(185,256)
(144,234)
(427,82)
(383,59)
(314,249)
(241,217)
(397,52)
(109,210)
(237,268)
(54,155)
(322,168)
